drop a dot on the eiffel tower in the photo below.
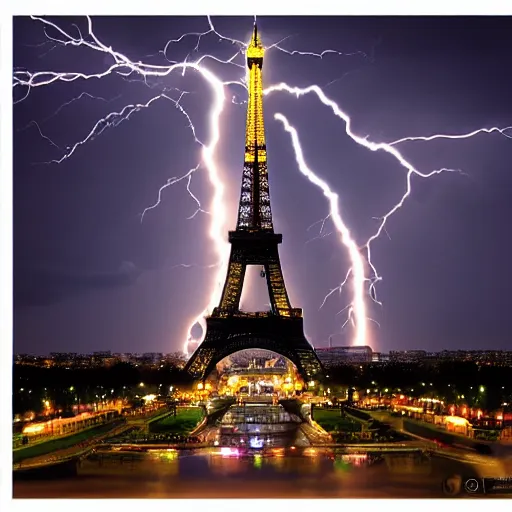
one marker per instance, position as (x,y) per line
(254,242)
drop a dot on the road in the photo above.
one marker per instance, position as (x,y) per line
(488,465)
(68,452)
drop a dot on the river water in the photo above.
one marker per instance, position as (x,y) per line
(226,473)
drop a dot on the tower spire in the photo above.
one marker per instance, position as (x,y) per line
(255,48)
(254,213)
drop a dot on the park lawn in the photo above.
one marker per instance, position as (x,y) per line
(331,421)
(185,421)
(59,444)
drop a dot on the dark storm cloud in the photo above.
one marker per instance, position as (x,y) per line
(42,287)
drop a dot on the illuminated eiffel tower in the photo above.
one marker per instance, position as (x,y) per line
(254,242)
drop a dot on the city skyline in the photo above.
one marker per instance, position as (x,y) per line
(412,352)
(145,298)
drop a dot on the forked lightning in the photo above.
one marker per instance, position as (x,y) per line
(362,273)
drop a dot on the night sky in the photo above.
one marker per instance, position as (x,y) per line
(88,275)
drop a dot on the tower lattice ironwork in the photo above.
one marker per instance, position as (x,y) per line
(228,329)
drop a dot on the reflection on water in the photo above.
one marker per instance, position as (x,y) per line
(277,473)
(260,466)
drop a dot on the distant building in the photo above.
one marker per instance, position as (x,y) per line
(62,357)
(176,359)
(379,357)
(103,358)
(121,357)
(152,357)
(328,356)
(481,357)
(102,354)
(407,356)
(335,355)
(255,358)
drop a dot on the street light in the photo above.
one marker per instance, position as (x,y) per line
(482,389)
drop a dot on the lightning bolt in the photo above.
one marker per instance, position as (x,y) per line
(320,55)
(43,136)
(321,233)
(357,262)
(170,182)
(115,119)
(125,68)
(71,101)
(502,131)
(357,309)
